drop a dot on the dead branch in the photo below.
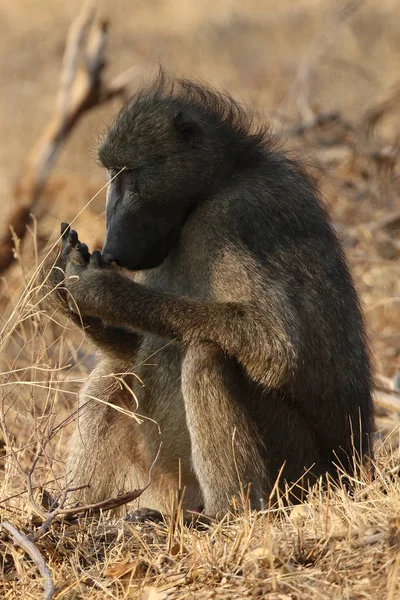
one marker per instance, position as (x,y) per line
(301,87)
(368,540)
(57,508)
(387,393)
(389,402)
(390,222)
(109,504)
(29,547)
(320,120)
(387,384)
(81,88)
(374,114)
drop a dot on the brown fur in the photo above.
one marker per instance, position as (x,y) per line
(240,317)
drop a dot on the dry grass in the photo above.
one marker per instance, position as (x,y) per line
(336,545)
(332,547)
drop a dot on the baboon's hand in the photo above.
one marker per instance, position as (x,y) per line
(80,267)
(70,242)
(54,272)
(73,260)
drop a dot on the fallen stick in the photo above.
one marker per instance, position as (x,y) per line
(108,504)
(59,510)
(81,88)
(387,401)
(387,384)
(29,547)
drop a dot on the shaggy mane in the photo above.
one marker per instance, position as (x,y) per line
(213,104)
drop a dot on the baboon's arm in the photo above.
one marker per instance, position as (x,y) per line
(114,341)
(255,337)
(111,340)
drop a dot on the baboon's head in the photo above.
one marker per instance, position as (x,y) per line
(175,143)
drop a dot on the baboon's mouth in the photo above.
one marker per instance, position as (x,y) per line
(146,255)
(154,258)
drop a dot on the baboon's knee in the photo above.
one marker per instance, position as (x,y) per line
(225,444)
(202,361)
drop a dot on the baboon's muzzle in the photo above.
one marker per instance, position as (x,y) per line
(143,246)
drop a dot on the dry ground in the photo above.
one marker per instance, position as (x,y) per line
(286,58)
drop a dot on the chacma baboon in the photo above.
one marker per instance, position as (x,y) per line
(239,314)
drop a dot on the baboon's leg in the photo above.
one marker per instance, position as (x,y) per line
(234,443)
(226,449)
(101,449)
(112,453)
(293,454)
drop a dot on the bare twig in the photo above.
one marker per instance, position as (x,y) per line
(375,113)
(96,507)
(58,509)
(389,402)
(390,222)
(114,502)
(368,540)
(301,87)
(75,40)
(118,85)
(81,88)
(29,547)
(387,384)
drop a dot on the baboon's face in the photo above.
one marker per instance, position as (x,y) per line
(163,161)
(140,233)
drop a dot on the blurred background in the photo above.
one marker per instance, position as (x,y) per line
(325,73)
(253,49)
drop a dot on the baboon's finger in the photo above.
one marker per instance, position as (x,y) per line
(65,229)
(69,239)
(95,260)
(107,260)
(83,251)
(73,238)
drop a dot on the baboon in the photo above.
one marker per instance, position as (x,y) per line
(223,294)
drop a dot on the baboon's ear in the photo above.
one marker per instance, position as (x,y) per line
(188,129)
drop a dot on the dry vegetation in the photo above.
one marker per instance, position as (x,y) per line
(327,80)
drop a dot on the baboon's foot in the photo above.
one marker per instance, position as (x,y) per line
(143,515)
(193,519)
